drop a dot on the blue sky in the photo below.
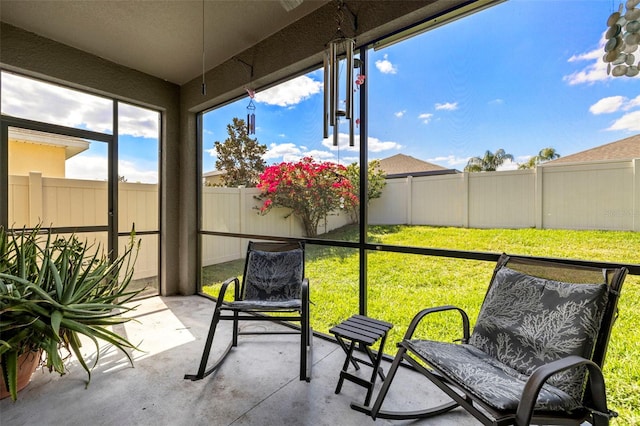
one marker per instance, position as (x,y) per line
(522,76)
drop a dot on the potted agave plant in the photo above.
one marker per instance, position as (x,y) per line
(52,291)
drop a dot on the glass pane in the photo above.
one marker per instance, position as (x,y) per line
(288,127)
(401,285)
(222,258)
(56,180)
(138,147)
(145,274)
(24,97)
(333,274)
(539,95)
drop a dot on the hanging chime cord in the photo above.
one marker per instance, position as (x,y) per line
(204,85)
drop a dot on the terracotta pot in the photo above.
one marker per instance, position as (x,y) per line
(27,364)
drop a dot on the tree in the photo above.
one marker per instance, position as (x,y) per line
(375,184)
(545,154)
(311,190)
(489,162)
(240,156)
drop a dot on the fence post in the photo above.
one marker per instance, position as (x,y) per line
(409,189)
(35,198)
(242,205)
(636,194)
(538,171)
(465,199)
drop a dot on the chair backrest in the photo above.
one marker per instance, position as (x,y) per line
(273,271)
(536,312)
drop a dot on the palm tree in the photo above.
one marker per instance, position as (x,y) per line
(545,154)
(489,162)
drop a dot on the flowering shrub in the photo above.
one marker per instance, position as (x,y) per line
(311,190)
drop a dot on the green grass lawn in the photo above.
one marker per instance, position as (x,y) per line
(399,285)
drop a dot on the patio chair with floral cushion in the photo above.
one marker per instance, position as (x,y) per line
(536,352)
(273,282)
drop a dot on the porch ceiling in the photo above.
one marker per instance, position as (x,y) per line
(159,37)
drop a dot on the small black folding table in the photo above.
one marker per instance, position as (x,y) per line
(366,331)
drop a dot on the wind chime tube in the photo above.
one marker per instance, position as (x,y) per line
(325,121)
(333,72)
(349,74)
(351,132)
(336,132)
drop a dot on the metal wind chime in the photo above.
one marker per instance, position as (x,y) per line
(340,45)
(251,116)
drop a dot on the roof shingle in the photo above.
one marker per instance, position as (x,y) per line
(624,149)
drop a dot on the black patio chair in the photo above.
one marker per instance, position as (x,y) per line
(273,282)
(536,352)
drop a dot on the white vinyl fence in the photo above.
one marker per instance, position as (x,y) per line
(601,195)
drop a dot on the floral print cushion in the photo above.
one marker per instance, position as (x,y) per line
(493,382)
(525,322)
(274,277)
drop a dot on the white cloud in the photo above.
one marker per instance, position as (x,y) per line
(447,106)
(376,145)
(87,167)
(426,117)
(595,70)
(508,165)
(131,172)
(400,114)
(343,153)
(629,122)
(343,142)
(291,92)
(497,101)
(282,150)
(385,66)
(36,100)
(138,122)
(94,167)
(607,105)
(450,161)
(633,103)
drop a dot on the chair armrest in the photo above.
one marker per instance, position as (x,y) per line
(539,377)
(304,290)
(223,290)
(423,313)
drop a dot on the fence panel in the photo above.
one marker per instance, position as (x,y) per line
(438,200)
(502,200)
(599,195)
(589,196)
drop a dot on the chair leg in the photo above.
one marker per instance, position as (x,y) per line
(306,348)
(375,411)
(306,338)
(236,316)
(202,371)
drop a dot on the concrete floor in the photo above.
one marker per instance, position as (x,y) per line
(257,385)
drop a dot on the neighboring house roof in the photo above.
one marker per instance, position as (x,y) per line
(214,173)
(72,145)
(624,149)
(401,165)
